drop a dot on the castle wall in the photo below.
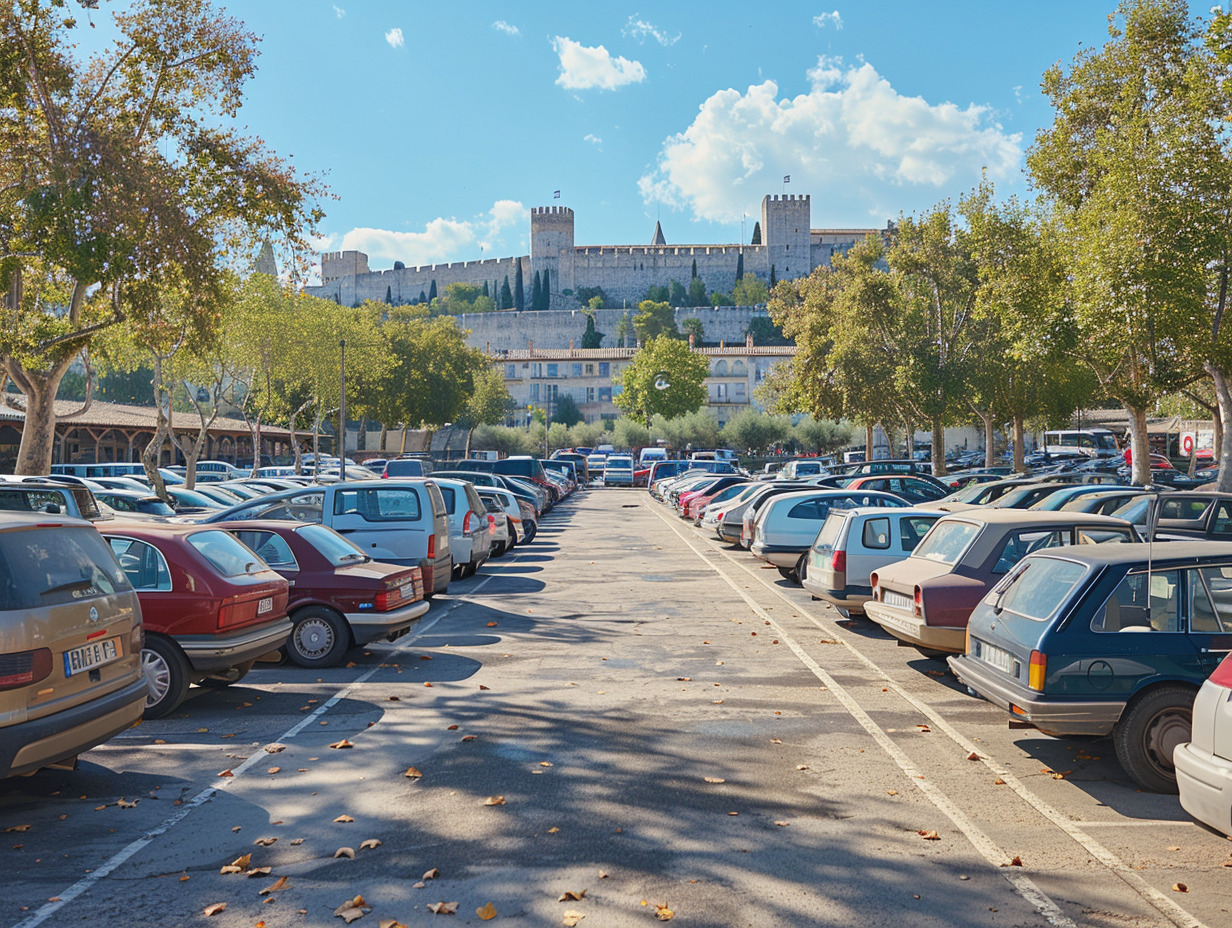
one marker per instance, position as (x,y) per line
(405,284)
(513,331)
(626,272)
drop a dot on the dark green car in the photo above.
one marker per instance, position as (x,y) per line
(1106,640)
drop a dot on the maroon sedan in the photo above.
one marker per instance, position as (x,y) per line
(339,596)
(209,606)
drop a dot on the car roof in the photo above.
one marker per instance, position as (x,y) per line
(1029,517)
(14,520)
(270,525)
(1160,553)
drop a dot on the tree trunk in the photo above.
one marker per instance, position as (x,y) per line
(1020,450)
(38,434)
(1223,434)
(384,437)
(868,441)
(469,433)
(256,445)
(1140,445)
(909,438)
(990,437)
(938,448)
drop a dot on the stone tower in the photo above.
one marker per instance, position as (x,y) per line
(551,248)
(785,232)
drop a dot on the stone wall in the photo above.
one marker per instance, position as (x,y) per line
(513,331)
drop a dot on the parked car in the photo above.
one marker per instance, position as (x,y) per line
(618,471)
(405,467)
(339,597)
(51,498)
(470,526)
(1104,502)
(886,466)
(1106,640)
(401,522)
(981,494)
(505,507)
(916,489)
(193,502)
(787,525)
(71,638)
(133,504)
(853,543)
(1063,494)
(210,606)
(1184,514)
(698,502)
(717,512)
(759,500)
(731,526)
(798,470)
(579,462)
(530,492)
(1204,763)
(926,598)
(594,465)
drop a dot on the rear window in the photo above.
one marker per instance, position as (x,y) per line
(332,546)
(380,504)
(229,557)
(411,468)
(830,531)
(946,542)
(48,566)
(447,494)
(270,547)
(1039,587)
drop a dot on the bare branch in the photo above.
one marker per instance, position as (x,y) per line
(85,360)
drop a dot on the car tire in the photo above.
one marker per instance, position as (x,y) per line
(1153,724)
(801,568)
(167,676)
(319,637)
(787,573)
(229,676)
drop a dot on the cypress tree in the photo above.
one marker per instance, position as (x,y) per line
(432,292)
(506,299)
(536,294)
(756,240)
(519,292)
(423,297)
(389,296)
(694,267)
(740,266)
(773,277)
(547,290)
(485,289)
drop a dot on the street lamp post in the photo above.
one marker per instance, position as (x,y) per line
(342,411)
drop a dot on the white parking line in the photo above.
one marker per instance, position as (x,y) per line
(107,867)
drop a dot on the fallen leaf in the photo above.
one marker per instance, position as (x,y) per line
(715,780)
(431,874)
(685,679)
(443,908)
(1016,862)
(572,896)
(296,842)
(452,728)
(663,913)
(494,801)
(347,852)
(342,745)
(352,909)
(413,773)
(486,912)
(425,657)
(257,871)
(572,918)
(782,824)
(470,737)
(394,698)
(603,874)
(1180,888)
(242,862)
(929,835)
(226,773)
(482,687)
(200,730)
(369,844)
(389,923)
(17,828)
(891,792)
(1175,847)
(344,819)
(998,782)
(802,766)
(545,763)
(426,683)
(973,756)
(237,829)
(275,748)
(214,909)
(419,885)
(776,740)
(491,625)
(923,728)
(274,770)
(279,884)
(184,878)
(553,830)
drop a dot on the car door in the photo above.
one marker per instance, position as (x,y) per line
(1210,614)
(387,523)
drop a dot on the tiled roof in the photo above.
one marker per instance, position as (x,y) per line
(621,354)
(125,416)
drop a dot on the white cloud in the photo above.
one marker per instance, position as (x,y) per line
(339,12)
(583,67)
(442,240)
(501,26)
(641,30)
(592,138)
(861,149)
(821,20)
(394,38)
(1018,92)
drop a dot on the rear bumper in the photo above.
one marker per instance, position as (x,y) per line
(1051,716)
(1205,784)
(210,653)
(778,555)
(908,628)
(373,626)
(850,599)
(27,746)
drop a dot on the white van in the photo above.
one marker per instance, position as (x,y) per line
(650,455)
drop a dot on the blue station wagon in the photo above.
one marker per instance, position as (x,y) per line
(1106,640)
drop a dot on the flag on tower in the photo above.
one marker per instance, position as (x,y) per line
(556,195)
(787,178)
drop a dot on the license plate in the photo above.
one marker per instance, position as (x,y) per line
(265,605)
(998,657)
(91,655)
(406,591)
(893,598)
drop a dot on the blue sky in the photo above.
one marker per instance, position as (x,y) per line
(439,125)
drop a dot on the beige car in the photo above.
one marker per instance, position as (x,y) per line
(70,642)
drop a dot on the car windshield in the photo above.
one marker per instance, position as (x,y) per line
(49,566)
(332,546)
(971,493)
(616,461)
(1134,511)
(229,557)
(1039,586)
(193,498)
(829,531)
(946,541)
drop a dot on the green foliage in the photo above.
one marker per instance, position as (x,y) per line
(773,276)
(627,433)
(558,436)
(502,439)
(823,436)
(696,430)
(506,295)
(740,265)
(752,431)
(765,332)
(697,293)
(591,338)
(749,291)
(676,294)
(586,434)
(547,289)
(587,296)
(654,319)
(658,294)
(519,292)
(756,239)
(432,291)
(721,299)
(462,298)
(686,374)
(565,410)
(693,326)
(694,275)
(489,402)
(536,294)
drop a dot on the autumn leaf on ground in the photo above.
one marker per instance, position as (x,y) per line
(663,913)
(470,737)
(17,828)
(1180,888)
(431,874)
(226,773)
(394,698)
(279,884)
(998,782)
(265,842)
(295,842)
(341,745)
(973,756)
(369,844)
(486,912)
(929,835)
(275,748)
(274,770)
(214,909)
(802,766)
(494,801)
(257,871)
(572,917)
(572,896)
(443,908)
(1016,862)
(923,728)
(184,878)
(347,852)
(482,687)
(389,923)
(352,909)
(715,780)
(344,819)
(545,763)
(242,861)
(603,874)
(452,728)
(776,740)
(491,625)
(413,773)
(782,824)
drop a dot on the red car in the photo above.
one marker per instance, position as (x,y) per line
(339,596)
(210,607)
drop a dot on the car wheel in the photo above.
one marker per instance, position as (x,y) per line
(468,569)
(530,534)
(166,674)
(787,573)
(933,653)
(319,637)
(1152,726)
(801,569)
(229,676)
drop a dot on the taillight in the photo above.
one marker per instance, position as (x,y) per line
(24,667)
(967,640)
(919,603)
(491,523)
(1223,673)
(1037,671)
(432,547)
(235,614)
(876,582)
(838,562)
(466,525)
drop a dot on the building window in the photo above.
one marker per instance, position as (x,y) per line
(738,392)
(536,369)
(738,369)
(534,392)
(576,370)
(720,392)
(551,370)
(550,391)
(720,369)
(604,368)
(590,370)
(590,394)
(511,371)
(605,394)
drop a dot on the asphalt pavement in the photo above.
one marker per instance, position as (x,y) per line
(623,723)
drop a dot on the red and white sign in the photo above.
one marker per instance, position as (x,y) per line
(1187,443)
